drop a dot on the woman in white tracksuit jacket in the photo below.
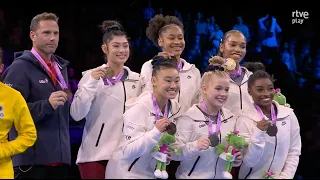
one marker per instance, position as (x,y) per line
(102,104)
(280,153)
(233,45)
(198,160)
(142,129)
(167,33)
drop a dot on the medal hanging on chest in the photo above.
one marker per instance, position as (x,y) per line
(60,78)
(272,129)
(213,136)
(108,80)
(157,109)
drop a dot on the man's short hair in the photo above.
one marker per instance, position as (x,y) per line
(42,17)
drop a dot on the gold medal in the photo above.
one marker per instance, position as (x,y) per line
(230,64)
(109,72)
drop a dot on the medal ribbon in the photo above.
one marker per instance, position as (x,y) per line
(111,81)
(157,109)
(273,114)
(210,120)
(60,79)
(237,72)
(180,66)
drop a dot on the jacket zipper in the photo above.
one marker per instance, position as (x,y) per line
(102,126)
(125,97)
(274,152)
(59,123)
(248,173)
(133,163)
(60,136)
(124,102)
(241,93)
(240,97)
(215,168)
(194,165)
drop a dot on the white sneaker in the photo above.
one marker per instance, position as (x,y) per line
(157,173)
(226,175)
(164,175)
